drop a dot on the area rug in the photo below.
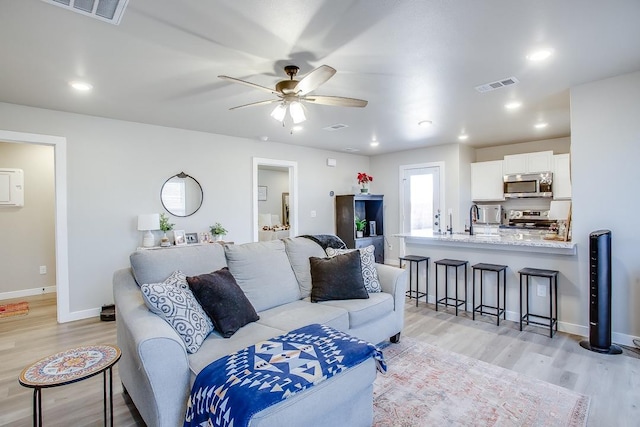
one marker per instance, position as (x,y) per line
(14,309)
(429,386)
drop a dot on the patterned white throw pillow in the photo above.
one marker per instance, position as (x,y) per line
(368,261)
(175,303)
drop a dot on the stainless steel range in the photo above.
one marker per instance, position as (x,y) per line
(529,219)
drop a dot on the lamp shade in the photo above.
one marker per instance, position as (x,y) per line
(279,112)
(297,112)
(149,222)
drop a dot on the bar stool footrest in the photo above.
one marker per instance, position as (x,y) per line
(480,309)
(554,322)
(412,294)
(456,303)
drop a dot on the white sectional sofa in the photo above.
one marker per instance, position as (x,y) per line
(157,371)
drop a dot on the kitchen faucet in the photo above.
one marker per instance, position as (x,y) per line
(471,221)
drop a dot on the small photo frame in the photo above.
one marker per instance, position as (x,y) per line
(192,238)
(262,193)
(205,237)
(179,237)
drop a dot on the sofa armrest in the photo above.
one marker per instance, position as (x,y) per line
(154,367)
(393,280)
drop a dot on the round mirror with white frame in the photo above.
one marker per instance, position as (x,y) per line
(181,195)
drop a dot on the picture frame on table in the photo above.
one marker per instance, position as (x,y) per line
(179,237)
(192,238)
(262,193)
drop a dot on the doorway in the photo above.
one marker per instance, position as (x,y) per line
(277,197)
(61,238)
(421,198)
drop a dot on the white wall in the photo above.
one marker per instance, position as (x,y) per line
(28,232)
(605,155)
(116,169)
(385,169)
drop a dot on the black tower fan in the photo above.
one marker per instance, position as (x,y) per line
(600,294)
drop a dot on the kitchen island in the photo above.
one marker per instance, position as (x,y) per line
(507,242)
(516,251)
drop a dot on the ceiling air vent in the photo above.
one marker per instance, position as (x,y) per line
(488,87)
(335,127)
(105,10)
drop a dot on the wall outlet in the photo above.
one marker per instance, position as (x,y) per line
(43,269)
(542,291)
(313,214)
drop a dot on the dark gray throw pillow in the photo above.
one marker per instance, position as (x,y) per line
(223,301)
(337,278)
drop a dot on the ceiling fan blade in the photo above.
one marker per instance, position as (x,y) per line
(255,104)
(314,79)
(337,101)
(246,83)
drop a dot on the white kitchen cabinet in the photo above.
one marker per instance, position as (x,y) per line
(487,181)
(541,161)
(561,176)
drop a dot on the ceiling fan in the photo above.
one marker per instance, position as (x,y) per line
(292,93)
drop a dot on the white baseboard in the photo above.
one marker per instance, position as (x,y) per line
(70,317)
(571,328)
(80,315)
(27,292)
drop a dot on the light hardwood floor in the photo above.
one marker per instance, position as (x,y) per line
(613,382)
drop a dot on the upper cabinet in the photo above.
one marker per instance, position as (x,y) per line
(541,161)
(561,176)
(487,181)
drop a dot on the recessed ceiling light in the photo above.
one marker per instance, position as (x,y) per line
(425,123)
(264,138)
(297,128)
(374,143)
(539,55)
(540,125)
(513,105)
(463,137)
(81,86)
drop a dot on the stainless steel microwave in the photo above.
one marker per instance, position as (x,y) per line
(528,185)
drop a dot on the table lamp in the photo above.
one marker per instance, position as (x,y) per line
(148,222)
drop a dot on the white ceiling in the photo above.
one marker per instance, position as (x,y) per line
(412,60)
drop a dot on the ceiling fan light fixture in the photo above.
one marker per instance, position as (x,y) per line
(279,112)
(297,112)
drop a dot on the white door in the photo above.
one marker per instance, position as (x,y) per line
(421,199)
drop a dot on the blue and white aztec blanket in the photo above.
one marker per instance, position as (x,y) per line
(229,391)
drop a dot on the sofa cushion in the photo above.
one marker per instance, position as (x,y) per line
(302,312)
(336,278)
(299,250)
(179,308)
(368,262)
(223,300)
(215,346)
(363,311)
(264,273)
(153,266)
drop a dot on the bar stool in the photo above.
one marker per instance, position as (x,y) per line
(497,268)
(416,260)
(447,301)
(552,275)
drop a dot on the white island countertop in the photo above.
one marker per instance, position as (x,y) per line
(506,242)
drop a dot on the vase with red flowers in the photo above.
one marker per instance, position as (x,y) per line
(364,180)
